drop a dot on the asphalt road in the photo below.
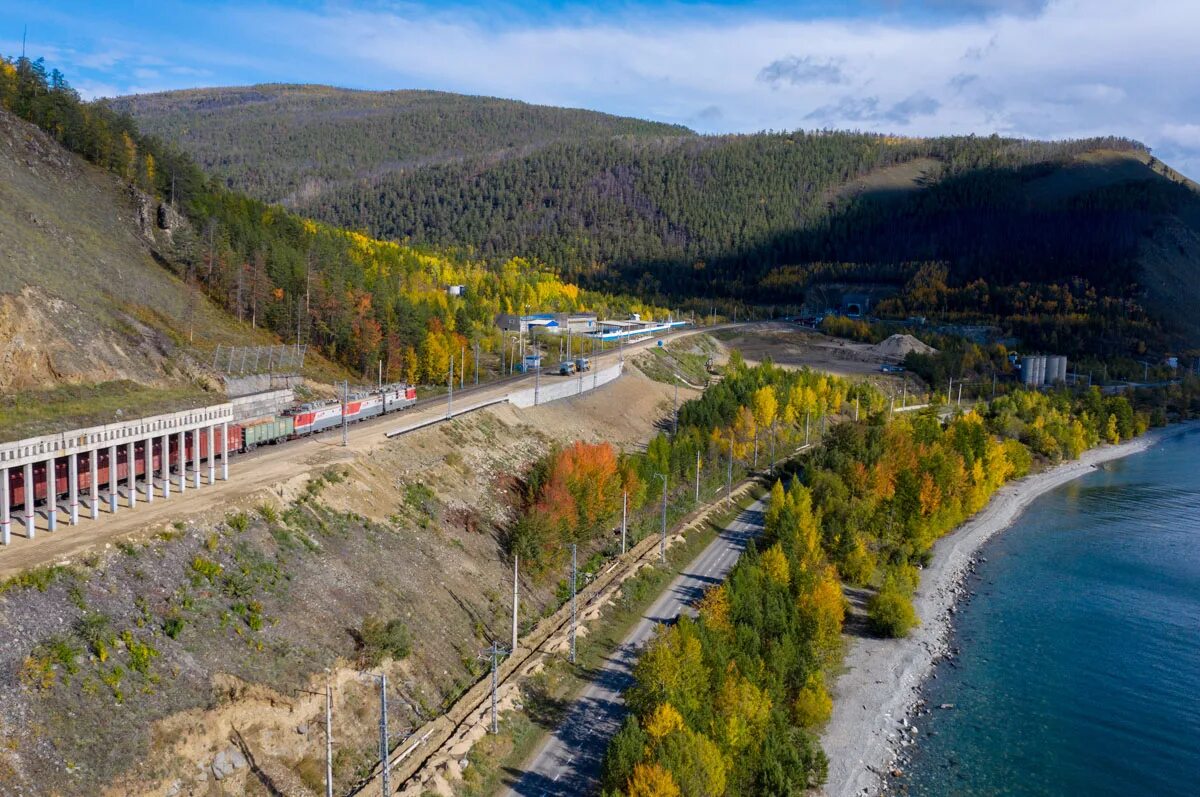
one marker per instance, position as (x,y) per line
(568,762)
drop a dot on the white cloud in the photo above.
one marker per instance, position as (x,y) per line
(1040,68)
(1185,135)
(1066,68)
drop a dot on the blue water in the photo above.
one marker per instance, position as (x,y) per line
(1079,671)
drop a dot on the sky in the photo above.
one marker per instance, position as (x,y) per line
(1032,68)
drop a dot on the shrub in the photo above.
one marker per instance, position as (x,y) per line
(92,628)
(891,611)
(380,640)
(173,626)
(239,521)
(206,568)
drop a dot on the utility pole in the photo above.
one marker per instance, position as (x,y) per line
(516,599)
(697,478)
(675,412)
(328,739)
(385,748)
(345,424)
(948,389)
(729,477)
(624,517)
(960,393)
(662,542)
(497,652)
(537,381)
(328,693)
(574,582)
(856,409)
(450,395)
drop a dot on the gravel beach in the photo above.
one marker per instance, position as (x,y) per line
(878,692)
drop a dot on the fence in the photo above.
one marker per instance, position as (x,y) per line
(259,359)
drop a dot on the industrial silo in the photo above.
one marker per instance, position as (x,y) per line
(1039,370)
(1056,369)
(1029,371)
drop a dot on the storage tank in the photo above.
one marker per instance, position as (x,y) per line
(1029,371)
(1056,372)
(1039,370)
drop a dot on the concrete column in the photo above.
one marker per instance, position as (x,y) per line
(225,451)
(149,470)
(212,454)
(51,495)
(165,458)
(5,497)
(131,473)
(30,501)
(93,486)
(73,488)
(196,458)
(112,479)
(182,463)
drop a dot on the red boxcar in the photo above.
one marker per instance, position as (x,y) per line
(16,475)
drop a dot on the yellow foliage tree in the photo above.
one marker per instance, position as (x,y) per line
(714,609)
(775,564)
(742,712)
(824,611)
(651,780)
(662,721)
(1111,434)
(813,706)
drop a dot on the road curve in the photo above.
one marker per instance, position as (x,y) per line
(568,762)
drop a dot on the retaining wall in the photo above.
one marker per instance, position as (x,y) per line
(554,387)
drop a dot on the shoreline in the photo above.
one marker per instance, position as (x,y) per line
(882,679)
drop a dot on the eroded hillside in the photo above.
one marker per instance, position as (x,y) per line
(87,290)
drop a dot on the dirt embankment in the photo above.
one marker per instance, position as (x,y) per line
(171,666)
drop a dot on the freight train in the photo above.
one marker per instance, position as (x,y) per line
(300,421)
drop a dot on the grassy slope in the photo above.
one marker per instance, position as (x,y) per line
(87,298)
(375,131)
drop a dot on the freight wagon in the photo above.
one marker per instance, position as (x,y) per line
(62,465)
(274,429)
(296,422)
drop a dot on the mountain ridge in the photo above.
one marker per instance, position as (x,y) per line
(1099,224)
(377,132)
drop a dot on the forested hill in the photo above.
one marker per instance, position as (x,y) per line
(763,217)
(289,143)
(1087,246)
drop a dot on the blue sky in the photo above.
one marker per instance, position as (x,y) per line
(1038,68)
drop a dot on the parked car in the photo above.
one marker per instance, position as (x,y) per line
(566,368)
